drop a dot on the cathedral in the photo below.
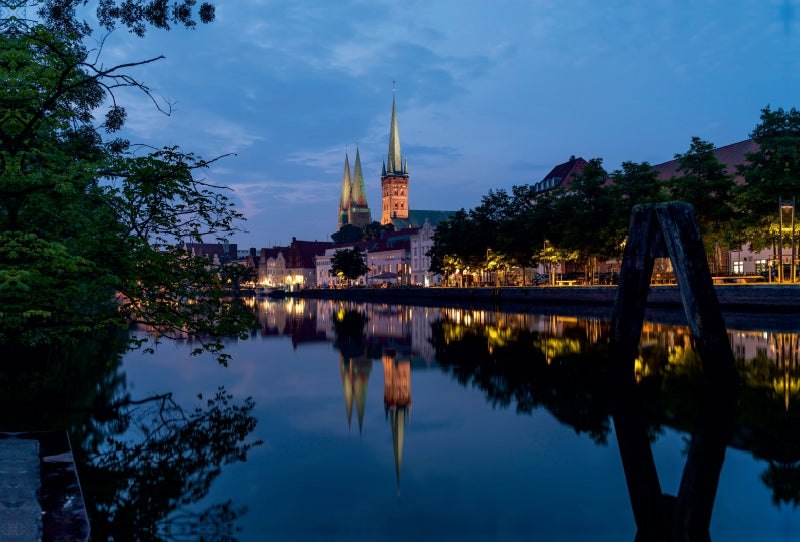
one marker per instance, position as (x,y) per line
(394,178)
(353,207)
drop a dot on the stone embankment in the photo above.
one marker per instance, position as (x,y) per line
(783,298)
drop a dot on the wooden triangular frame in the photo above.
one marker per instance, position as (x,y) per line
(661,230)
(670,230)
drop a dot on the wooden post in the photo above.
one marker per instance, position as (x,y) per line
(658,230)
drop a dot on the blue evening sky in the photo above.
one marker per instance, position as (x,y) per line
(489,94)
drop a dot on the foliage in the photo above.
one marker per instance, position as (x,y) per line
(140,482)
(92,229)
(706,184)
(375,230)
(588,218)
(142,460)
(584,209)
(453,248)
(349,264)
(771,173)
(353,234)
(634,184)
(135,15)
(348,234)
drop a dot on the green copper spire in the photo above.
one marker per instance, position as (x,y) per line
(358,196)
(344,203)
(394,163)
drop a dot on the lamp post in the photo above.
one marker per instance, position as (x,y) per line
(782,206)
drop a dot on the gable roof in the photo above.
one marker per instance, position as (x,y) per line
(731,155)
(562,174)
(301,253)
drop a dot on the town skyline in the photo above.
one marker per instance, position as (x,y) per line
(291,88)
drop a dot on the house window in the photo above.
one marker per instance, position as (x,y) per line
(738,267)
(761,266)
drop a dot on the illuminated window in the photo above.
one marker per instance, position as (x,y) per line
(761,266)
(738,267)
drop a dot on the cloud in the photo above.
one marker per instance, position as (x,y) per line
(258,195)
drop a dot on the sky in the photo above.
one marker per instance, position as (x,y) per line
(489,94)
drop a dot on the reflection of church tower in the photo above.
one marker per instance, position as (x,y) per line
(344,201)
(394,179)
(355,380)
(397,402)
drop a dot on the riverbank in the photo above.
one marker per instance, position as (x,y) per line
(770,298)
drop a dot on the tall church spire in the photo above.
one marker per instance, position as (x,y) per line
(358,196)
(394,178)
(394,163)
(360,215)
(346,198)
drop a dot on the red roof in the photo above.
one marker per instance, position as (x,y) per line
(301,253)
(731,155)
(562,174)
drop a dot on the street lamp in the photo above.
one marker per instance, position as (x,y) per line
(786,206)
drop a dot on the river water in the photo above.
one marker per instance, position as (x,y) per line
(388,422)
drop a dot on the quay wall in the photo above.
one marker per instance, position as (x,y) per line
(783,298)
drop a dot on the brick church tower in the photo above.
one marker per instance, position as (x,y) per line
(394,178)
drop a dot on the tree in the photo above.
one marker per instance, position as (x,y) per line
(453,248)
(634,184)
(707,185)
(92,227)
(520,238)
(348,234)
(585,208)
(771,173)
(375,230)
(349,264)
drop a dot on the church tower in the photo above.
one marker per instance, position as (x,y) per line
(360,214)
(394,178)
(344,201)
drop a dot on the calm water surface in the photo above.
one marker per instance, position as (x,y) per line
(385,422)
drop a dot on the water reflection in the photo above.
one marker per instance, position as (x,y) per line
(555,362)
(142,460)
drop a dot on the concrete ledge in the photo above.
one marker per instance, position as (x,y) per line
(40,496)
(744,297)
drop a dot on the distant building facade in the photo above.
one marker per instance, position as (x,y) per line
(292,267)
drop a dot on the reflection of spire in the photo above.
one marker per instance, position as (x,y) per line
(346,370)
(397,402)
(398,417)
(355,381)
(362,367)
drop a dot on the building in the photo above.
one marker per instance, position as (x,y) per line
(742,261)
(394,178)
(353,208)
(399,257)
(292,267)
(420,244)
(389,258)
(561,175)
(326,278)
(218,253)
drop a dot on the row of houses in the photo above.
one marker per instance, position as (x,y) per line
(398,257)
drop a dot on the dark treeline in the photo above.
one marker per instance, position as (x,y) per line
(586,219)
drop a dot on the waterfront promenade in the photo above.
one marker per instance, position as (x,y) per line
(768,298)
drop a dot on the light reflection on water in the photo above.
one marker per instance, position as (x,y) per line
(388,422)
